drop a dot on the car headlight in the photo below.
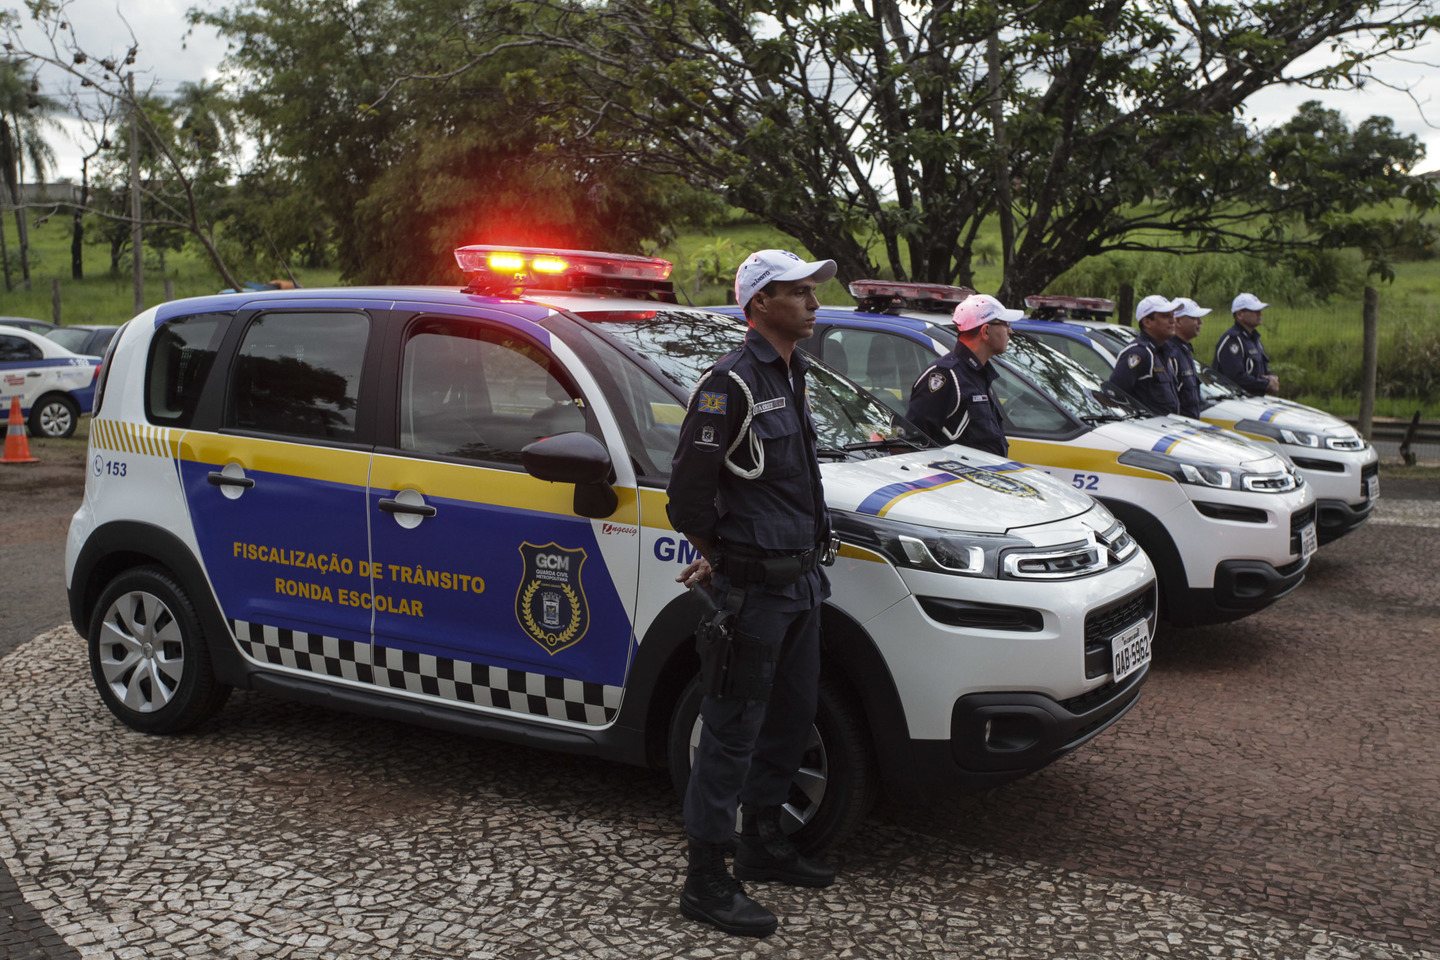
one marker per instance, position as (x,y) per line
(993,556)
(1297,438)
(1213,475)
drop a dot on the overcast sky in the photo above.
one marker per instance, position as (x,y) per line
(169,55)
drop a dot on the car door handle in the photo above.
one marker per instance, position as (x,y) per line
(34,373)
(390,505)
(220,480)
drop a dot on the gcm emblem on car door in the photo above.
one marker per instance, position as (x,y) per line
(489,588)
(280,518)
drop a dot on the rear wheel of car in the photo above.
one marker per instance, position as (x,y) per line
(148,654)
(836,784)
(54,416)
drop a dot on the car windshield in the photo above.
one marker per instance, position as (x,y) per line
(1113,338)
(682,344)
(1076,389)
(1215,387)
(68,337)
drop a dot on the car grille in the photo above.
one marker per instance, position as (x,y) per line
(1103,623)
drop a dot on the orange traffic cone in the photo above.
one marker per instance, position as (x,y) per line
(17,446)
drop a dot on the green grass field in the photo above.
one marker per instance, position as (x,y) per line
(1315,344)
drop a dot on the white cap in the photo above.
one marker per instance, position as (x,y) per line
(1185,307)
(767,266)
(979,309)
(1154,304)
(1247,301)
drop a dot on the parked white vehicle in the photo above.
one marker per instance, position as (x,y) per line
(447,506)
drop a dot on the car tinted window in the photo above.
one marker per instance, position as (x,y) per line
(482,393)
(18,350)
(1065,381)
(1027,411)
(298,374)
(1079,351)
(181,355)
(886,364)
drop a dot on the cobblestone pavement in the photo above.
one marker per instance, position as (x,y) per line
(1272,795)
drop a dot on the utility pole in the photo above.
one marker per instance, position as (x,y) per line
(137,251)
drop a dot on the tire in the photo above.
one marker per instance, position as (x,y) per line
(54,417)
(148,654)
(837,783)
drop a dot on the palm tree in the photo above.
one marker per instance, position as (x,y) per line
(24,114)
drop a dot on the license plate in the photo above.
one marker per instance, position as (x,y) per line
(1130,650)
(1308,543)
(1372,488)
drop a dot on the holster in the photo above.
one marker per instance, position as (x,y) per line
(732,664)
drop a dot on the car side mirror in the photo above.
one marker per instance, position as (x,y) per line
(576,458)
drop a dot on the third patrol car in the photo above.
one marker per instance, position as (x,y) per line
(1339,465)
(54,385)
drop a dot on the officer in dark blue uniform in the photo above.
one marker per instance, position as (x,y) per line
(1188,315)
(745,489)
(952,401)
(1143,369)
(1239,355)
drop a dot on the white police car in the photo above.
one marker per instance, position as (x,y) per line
(1229,525)
(54,385)
(1339,465)
(447,506)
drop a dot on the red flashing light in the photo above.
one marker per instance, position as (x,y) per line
(862,289)
(517,266)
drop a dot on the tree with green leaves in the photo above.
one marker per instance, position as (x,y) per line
(184,186)
(24,117)
(884,134)
(487,147)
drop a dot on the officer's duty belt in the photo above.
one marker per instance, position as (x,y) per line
(780,571)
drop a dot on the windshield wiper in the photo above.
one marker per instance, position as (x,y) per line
(885,443)
(1106,417)
(834,453)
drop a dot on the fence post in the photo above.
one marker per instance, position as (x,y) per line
(55,300)
(1368,362)
(169,289)
(1125,307)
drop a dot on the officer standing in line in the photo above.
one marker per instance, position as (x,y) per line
(745,489)
(1143,369)
(952,401)
(1240,356)
(1188,315)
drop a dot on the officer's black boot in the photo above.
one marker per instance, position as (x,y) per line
(766,853)
(713,896)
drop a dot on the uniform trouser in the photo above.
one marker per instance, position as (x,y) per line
(749,750)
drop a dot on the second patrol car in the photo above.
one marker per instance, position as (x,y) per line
(1229,525)
(447,506)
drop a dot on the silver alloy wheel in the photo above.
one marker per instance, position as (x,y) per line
(142,655)
(55,419)
(807,789)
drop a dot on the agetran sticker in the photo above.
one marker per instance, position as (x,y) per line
(550,604)
(987,478)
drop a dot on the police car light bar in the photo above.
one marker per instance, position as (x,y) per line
(1082,304)
(888,296)
(497,269)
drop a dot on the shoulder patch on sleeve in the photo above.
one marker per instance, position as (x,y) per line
(712,402)
(1134,359)
(1234,347)
(936,381)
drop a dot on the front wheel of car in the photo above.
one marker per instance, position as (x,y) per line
(836,784)
(148,654)
(54,417)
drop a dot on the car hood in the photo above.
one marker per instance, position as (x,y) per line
(954,487)
(1282,413)
(1188,440)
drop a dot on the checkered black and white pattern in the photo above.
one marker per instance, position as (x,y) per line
(456,681)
